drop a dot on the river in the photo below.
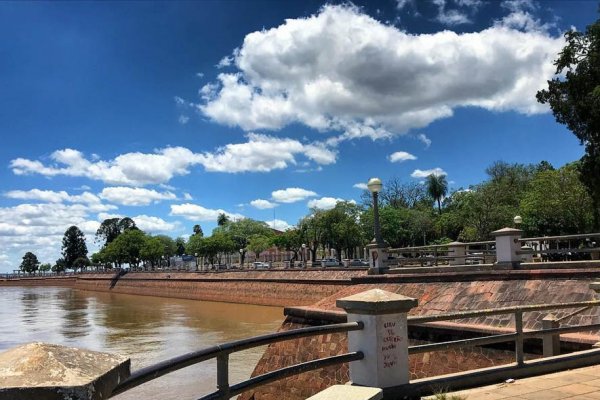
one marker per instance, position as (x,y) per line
(146,329)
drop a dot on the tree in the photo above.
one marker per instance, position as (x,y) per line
(111,228)
(240,232)
(180,243)
(437,187)
(557,204)
(45,267)
(574,97)
(30,263)
(152,250)
(222,219)
(127,246)
(290,240)
(73,246)
(198,229)
(59,265)
(259,243)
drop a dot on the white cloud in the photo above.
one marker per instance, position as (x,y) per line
(39,228)
(361,185)
(225,62)
(419,173)
(52,196)
(262,204)
(279,224)
(131,169)
(262,153)
(195,212)
(400,156)
(152,224)
(424,139)
(400,4)
(134,196)
(450,17)
(325,203)
(147,223)
(291,195)
(343,71)
(187,196)
(183,119)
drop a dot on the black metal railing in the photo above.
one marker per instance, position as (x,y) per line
(221,353)
(518,336)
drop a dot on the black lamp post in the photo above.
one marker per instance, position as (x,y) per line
(375,187)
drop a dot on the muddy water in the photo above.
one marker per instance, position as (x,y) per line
(147,329)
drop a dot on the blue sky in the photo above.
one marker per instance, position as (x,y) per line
(173,112)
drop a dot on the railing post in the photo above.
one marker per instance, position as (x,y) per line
(507,246)
(223,375)
(551,342)
(384,339)
(519,340)
(456,253)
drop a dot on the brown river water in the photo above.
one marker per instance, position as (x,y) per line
(146,329)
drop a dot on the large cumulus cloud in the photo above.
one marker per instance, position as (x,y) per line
(344,71)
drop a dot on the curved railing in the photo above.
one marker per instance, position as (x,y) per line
(221,353)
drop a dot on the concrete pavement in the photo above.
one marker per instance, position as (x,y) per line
(581,384)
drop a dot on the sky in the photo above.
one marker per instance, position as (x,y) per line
(173,112)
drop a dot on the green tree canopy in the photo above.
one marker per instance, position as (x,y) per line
(574,97)
(73,246)
(30,263)
(557,204)
(111,228)
(437,187)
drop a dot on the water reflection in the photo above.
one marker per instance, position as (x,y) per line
(147,329)
(75,318)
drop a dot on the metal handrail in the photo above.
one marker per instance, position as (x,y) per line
(496,311)
(518,336)
(562,237)
(221,353)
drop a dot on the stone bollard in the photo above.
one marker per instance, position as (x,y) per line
(550,343)
(384,339)
(456,253)
(378,255)
(43,371)
(507,246)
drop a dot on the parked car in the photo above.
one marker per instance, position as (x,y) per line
(357,262)
(261,265)
(330,262)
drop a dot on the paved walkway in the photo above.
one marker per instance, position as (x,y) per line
(581,384)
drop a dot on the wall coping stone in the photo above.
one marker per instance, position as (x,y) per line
(348,392)
(375,302)
(51,372)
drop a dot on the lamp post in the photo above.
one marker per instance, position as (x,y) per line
(377,248)
(375,186)
(518,221)
(196,258)
(241,253)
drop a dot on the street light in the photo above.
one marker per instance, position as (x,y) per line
(375,187)
(196,256)
(241,253)
(518,221)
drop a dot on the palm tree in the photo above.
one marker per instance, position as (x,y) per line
(437,187)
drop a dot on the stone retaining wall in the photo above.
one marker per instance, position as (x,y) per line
(434,298)
(268,288)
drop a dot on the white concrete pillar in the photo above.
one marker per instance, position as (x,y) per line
(507,246)
(457,251)
(384,339)
(377,258)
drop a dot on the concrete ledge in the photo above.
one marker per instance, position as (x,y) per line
(50,372)
(348,392)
